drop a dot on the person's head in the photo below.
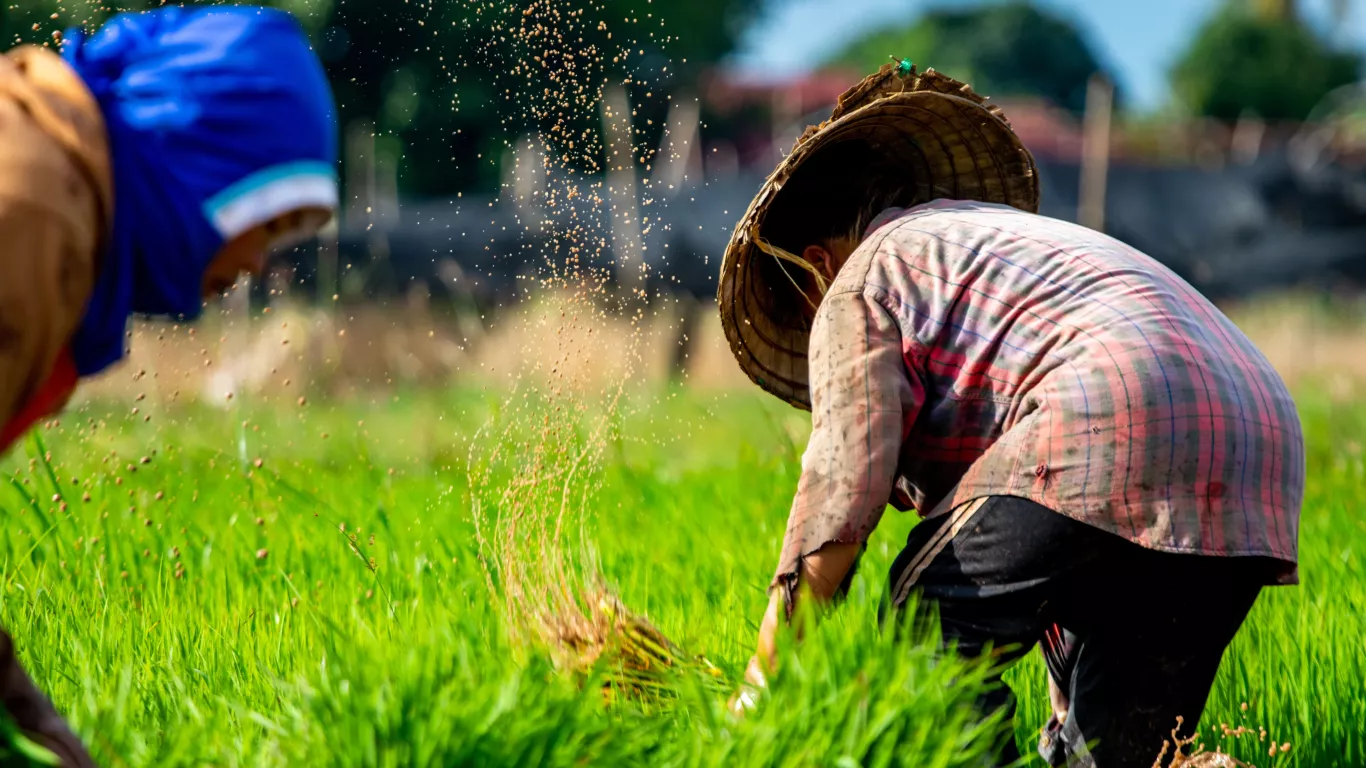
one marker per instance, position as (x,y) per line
(823,212)
(222,133)
(247,253)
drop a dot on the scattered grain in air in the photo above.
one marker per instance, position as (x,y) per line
(261,554)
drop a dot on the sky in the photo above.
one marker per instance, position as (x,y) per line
(1138,40)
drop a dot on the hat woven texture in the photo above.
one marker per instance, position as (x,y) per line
(946,139)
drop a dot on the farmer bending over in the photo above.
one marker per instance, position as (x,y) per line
(142,171)
(1105,463)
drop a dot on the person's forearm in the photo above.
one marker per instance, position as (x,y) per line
(824,570)
(822,574)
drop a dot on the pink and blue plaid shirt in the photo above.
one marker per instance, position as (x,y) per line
(969,350)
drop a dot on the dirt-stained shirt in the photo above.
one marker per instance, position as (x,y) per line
(968,350)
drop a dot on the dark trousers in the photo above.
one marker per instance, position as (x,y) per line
(34,714)
(1144,630)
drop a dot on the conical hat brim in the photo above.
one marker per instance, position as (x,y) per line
(953,147)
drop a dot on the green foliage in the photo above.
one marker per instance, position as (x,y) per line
(1011,49)
(1276,68)
(199,609)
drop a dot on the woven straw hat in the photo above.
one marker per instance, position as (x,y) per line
(932,129)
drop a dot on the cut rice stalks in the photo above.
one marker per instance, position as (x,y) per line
(622,651)
(531,501)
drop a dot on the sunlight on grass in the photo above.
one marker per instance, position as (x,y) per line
(271,586)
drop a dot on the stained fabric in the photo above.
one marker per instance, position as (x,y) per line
(970,350)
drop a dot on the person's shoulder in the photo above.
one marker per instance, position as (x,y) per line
(53,127)
(56,159)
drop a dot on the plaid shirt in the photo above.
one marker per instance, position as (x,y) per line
(969,350)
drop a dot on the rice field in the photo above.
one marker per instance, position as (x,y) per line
(385,580)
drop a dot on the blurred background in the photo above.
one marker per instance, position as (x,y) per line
(500,155)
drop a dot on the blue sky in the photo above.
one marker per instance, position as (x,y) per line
(1137,39)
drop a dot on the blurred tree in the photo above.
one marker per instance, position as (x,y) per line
(1263,60)
(1011,49)
(448,83)
(1278,10)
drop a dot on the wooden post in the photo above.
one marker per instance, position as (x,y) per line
(680,158)
(328,256)
(621,187)
(1246,144)
(1095,153)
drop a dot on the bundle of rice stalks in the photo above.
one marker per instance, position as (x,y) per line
(630,657)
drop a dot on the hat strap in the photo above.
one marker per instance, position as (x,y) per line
(781,255)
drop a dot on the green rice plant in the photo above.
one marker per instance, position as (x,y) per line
(281,585)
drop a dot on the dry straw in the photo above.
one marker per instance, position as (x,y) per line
(1199,758)
(532,496)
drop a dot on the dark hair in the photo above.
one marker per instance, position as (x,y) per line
(836,194)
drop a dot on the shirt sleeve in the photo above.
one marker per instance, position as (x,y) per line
(861,396)
(38,307)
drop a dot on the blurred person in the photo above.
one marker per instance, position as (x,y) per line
(144,169)
(1104,463)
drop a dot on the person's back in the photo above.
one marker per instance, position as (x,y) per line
(1063,366)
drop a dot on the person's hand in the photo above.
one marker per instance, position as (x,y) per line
(763,662)
(747,697)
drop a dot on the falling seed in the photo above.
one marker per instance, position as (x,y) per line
(261,554)
(258,463)
(303,400)
(260,521)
